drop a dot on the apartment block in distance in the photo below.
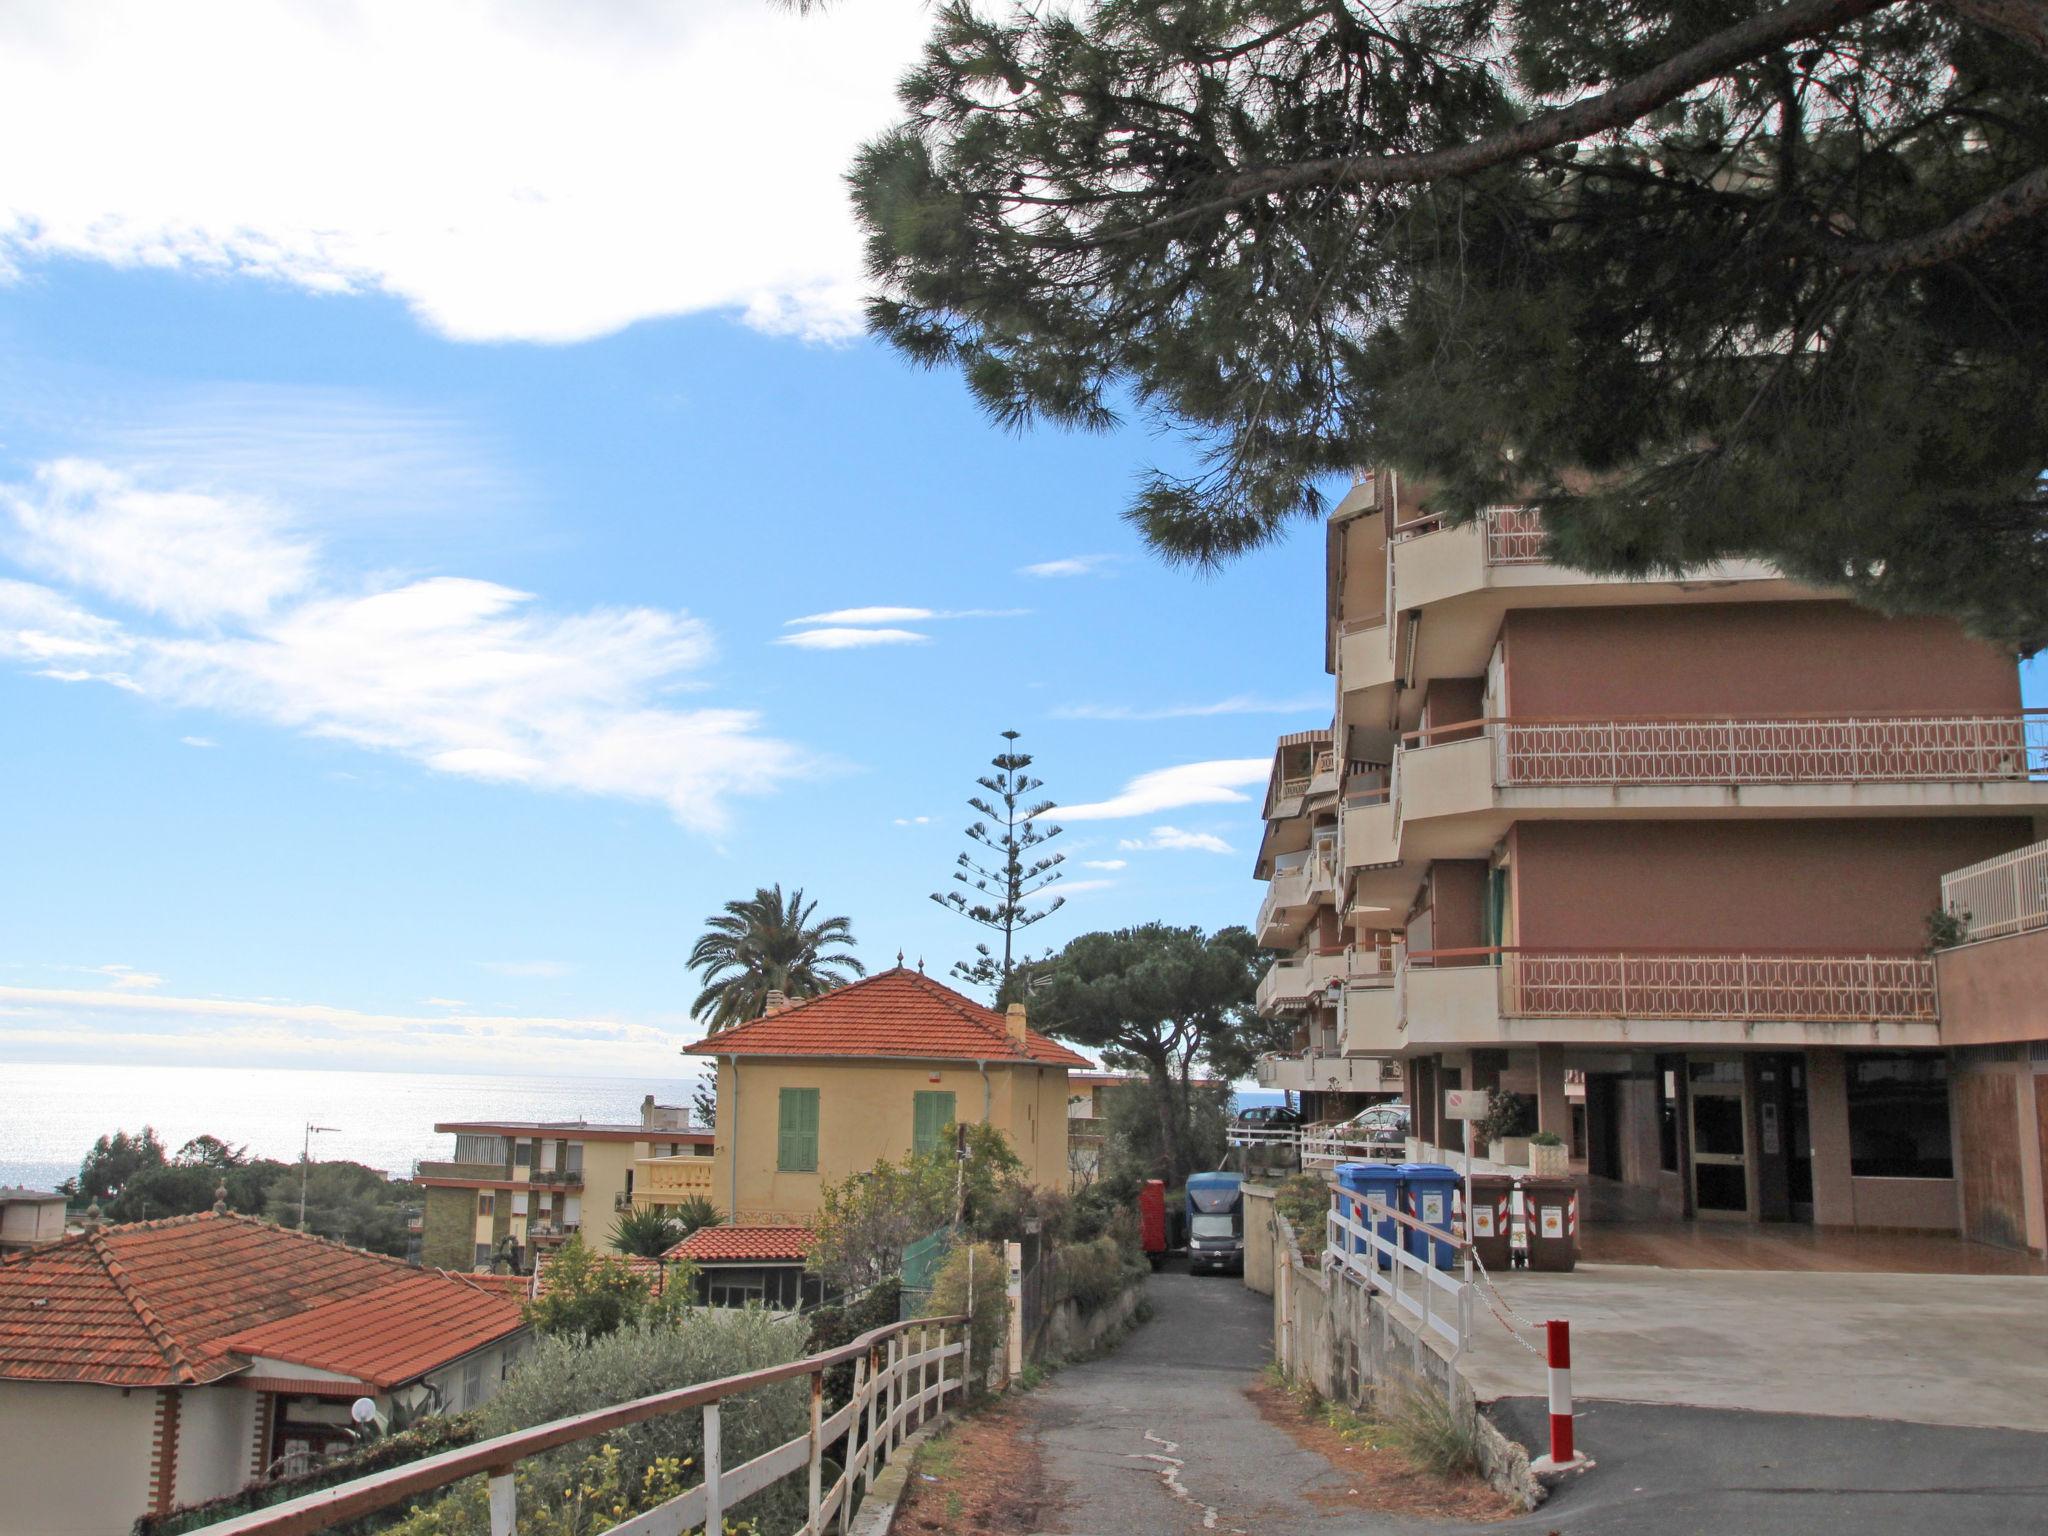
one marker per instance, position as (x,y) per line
(517,1189)
(1681,837)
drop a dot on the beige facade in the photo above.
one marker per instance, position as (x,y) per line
(1676,840)
(29,1218)
(866,1115)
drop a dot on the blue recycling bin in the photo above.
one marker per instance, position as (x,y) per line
(1432,1195)
(1376,1181)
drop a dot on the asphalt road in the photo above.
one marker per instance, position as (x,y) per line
(1160,1437)
(1716,1471)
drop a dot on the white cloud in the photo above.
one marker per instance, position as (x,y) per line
(126,978)
(1173,839)
(54,1023)
(199,741)
(510,171)
(865,616)
(463,676)
(1166,789)
(913,821)
(839,639)
(1237,704)
(443,1002)
(1070,565)
(186,555)
(1105,863)
(545,970)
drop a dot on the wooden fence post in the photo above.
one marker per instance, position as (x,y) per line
(714,1498)
(814,1493)
(504,1497)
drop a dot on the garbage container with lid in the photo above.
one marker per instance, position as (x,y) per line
(1490,1220)
(1550,1207)
(1434,1196)
(1373,1181)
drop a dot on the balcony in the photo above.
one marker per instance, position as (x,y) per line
(1651,997)
(2001,896)
(1287,904)
(1371,828)
(465,1173)
(1316,1072)
(1369,1017)
(1365,655)
(1285,986)
(555,1178)
(670,1180)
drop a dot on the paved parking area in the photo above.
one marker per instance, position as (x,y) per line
(1930,1349)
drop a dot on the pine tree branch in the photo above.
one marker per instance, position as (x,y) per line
(1958,237)
(1616,108)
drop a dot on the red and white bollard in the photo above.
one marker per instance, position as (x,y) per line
(1564,1454)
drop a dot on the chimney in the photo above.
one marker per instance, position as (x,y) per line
(1013,1022)
(777,1001)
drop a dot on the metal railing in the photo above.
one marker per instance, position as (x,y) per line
(2008,894)
(1514,536)
(1762,985)
(1327,1147)
(1439,1299)
(1794,749)
(896,1386)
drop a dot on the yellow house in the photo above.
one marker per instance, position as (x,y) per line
(823,1088)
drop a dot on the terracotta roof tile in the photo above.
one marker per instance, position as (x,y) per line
(152,1303)
(390,1335)
(899,1012)
(733,1245)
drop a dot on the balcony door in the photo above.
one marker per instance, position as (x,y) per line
(1720,1156)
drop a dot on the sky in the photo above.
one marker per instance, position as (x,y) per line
(454,536)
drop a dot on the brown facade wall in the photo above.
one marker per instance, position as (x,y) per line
(1457,897)
(1806,884)
(1748,659)
(1995,992)
(1452,701)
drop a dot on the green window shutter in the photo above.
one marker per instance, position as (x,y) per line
(932,1119)
(796,1142)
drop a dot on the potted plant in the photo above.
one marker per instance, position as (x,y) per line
(1510,1118)
(1547,1155)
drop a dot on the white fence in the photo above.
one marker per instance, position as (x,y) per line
(1439,1300)
(2008,894)
(1318,1144)
(899,1380)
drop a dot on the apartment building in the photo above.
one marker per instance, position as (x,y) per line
(516,1189)
(1681,836)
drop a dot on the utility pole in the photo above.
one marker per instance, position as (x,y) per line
(306,1163)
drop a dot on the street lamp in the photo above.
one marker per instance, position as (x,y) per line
(306,1162)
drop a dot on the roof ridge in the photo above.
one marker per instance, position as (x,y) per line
(165,1342)
(995,1024)
(798,1004)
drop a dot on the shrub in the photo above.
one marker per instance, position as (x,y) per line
(1092,1274)
(844,1322)
(1304,1200)
(1422,1426)
(1507,1114)
(990,1304)
(646,1231)
(641,1464)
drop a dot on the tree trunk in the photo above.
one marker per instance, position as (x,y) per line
(1169,1132)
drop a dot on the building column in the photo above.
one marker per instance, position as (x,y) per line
(1827,1116)
(1553,1110)
(163,1461)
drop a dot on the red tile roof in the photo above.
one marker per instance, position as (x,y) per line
(153,1303)
(739,1245)
(900,1013)
(390,1335)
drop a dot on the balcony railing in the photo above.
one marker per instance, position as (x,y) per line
(2008,894)
(1514,536)
(1798,986)
(1760,749)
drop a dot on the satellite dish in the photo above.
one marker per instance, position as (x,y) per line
(362,1410)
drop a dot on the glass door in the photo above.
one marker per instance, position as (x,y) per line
(1720,1162)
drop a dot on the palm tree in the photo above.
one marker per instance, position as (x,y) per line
(767,944)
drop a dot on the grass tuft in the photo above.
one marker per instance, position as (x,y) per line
(1420,1424)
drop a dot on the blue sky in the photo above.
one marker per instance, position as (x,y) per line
(403,515)
(396,656)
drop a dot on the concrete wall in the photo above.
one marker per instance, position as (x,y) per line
(1785,884)
(865,1116)
(1258,1238)
(1996,991)
(2001,1124)
(1748,659)
(216,1429)
(74,1460)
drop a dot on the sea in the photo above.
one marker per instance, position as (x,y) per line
(51,1113)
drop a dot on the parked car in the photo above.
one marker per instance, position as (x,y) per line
(1380,1122)
(1266,1117)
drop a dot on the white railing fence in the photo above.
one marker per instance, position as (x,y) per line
(1438,1299)
(1790,750)
(1514,536)
(2008,894)
(899,1381)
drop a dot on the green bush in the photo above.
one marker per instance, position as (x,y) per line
(1095,1274)
(844,1322)
(1305,1201)
(564,1376)
(990,1304)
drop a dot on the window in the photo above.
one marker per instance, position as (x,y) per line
(472,1383)
(1212,1226)
(796,1140)
(480,1149)
(522,1154)
(1667,1112)
(483,1257)
(931,1120)
(573,1160)
(1898,1116)
(486,1202)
